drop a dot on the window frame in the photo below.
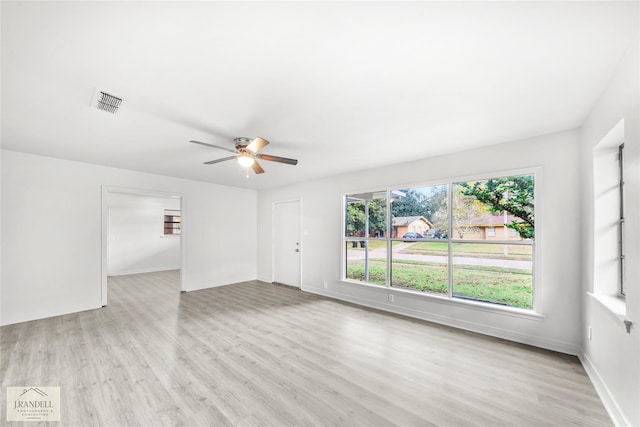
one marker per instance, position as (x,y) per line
(535,309)
(621,222)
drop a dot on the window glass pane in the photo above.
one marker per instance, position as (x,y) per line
(367,261)
(377,209)
(421,266)
(171,221)
(366,215)
(488,209)
(355,218)
(419,213)
(500,274)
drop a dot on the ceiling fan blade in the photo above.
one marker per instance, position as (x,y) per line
(256,167)
(224,159)
(277,159)
(257,144)
(214,146)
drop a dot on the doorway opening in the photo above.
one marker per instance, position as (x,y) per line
(141,233)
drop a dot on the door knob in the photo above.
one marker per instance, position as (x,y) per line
(297,250)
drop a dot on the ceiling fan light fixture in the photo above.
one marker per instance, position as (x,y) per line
(245,160)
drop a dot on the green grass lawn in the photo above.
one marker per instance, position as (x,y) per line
(377,271)
(373,244)
(474,250)
(499,285)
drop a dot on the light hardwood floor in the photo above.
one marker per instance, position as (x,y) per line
(256,354)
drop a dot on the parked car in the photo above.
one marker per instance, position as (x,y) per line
(412,235)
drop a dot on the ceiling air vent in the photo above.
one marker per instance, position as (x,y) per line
(107,102)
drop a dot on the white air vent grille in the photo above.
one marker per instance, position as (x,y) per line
(108,103)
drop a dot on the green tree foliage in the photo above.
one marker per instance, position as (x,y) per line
(466,210)
(377,216)
(356,218)
(413,203)
(432,205)
(513,194)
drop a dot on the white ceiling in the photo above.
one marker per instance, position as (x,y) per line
(339,86)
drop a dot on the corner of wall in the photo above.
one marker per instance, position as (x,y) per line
(610,405)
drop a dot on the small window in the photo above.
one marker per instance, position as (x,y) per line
(609,228)
(172,221)
(491,232)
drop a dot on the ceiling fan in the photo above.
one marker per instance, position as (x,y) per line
(246,153)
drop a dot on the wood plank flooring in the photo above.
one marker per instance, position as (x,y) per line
(256,354)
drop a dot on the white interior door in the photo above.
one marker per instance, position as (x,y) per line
(286,242)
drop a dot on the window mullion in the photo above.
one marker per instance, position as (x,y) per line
(621,224)
(449,238)
(366,242)
(388,239)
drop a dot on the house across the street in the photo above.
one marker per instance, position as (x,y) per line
(406,224)
(489,227)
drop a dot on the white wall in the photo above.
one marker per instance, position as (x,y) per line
(557,234)
(612,357)
(137,243)
(51,240)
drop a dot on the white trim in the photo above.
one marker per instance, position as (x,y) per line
(615,305)
(536,169)
(147,270)
(104,241)
(142,192)
(539,239)
(610,405)
(104,246)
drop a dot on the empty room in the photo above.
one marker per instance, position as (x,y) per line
(304,213)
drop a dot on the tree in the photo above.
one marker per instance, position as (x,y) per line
(412,203)
(430,203)
(513,194)
(356,218)
(377,216)
(466,210)
(437,209)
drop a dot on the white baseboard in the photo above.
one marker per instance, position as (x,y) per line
(618,418)
(149,270)
(456,323)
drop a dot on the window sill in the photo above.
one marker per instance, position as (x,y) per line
(474,305)
(615,305)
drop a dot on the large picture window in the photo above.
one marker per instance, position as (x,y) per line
(471,240)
